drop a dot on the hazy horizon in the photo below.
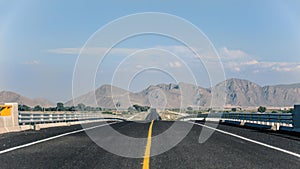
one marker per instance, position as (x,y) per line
(137,91)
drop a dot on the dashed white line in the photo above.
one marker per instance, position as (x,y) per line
(51,138)
(250,140)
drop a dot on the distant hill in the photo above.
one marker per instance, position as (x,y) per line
(107,96)
(7,96)
(239,92)
(242,93)
(103,95)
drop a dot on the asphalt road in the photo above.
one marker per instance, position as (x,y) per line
(221,150)
(153,115)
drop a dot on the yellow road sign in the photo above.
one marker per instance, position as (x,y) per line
(5,110)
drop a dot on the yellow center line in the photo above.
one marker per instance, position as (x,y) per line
(148,148)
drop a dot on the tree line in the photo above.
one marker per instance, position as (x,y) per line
(80,107)
(59,107)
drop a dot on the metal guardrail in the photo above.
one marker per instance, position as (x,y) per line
(286,118)
(40,118)
(269,119)
(262,117)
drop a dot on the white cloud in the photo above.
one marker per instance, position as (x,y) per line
(175,64)
(251,62)
(284,66)
(138,66)
(181,51)
(228,54)
(237,69)
(93,51)
(69,51)
(32,62)
(256,71)
(233,59)
(237,60)
(176,49)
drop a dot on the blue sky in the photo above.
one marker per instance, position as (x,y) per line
(40,40)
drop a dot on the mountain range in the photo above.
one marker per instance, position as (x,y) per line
(238,92)
(8,96)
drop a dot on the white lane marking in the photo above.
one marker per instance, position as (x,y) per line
(54,137)
(133,116)
(250,140)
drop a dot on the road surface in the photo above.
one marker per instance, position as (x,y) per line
(228,147)
(153,115)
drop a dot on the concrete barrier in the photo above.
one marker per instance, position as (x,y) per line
(9,119)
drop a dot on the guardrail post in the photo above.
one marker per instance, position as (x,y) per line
(42,117)
(296,117)
(31,117)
